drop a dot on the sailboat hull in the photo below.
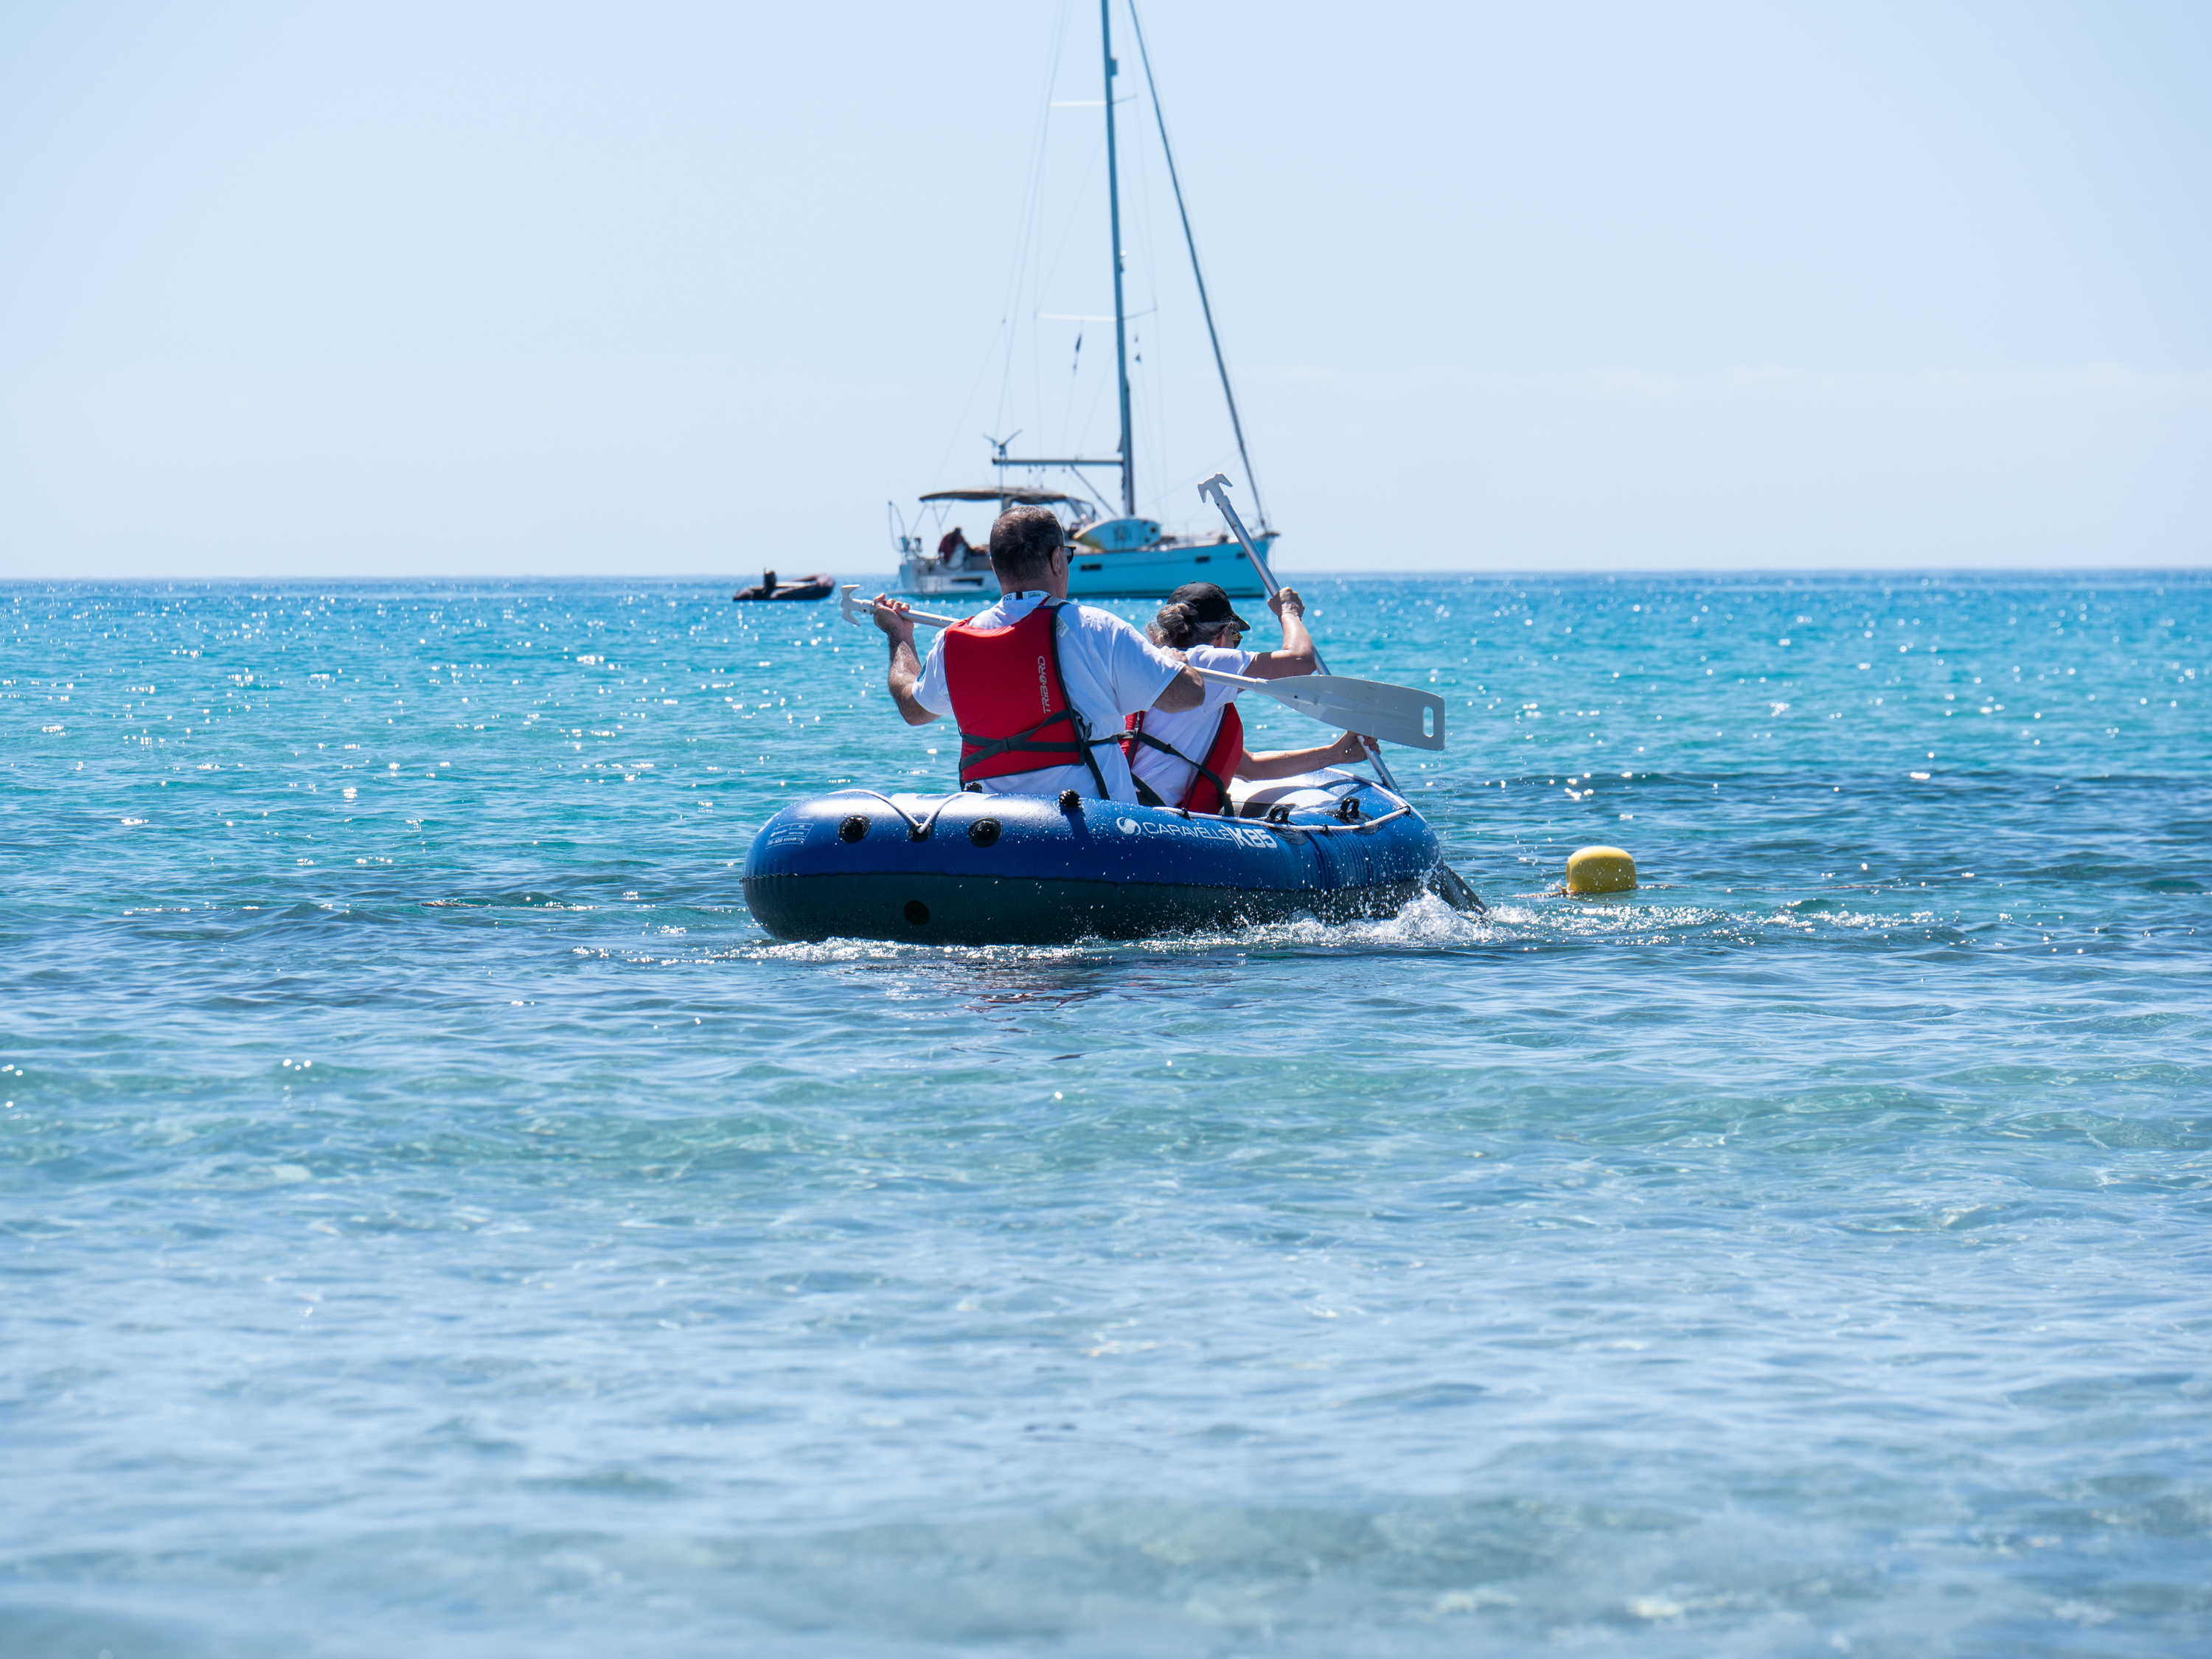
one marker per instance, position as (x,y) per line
(1137,573)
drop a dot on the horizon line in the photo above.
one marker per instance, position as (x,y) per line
(1766,573)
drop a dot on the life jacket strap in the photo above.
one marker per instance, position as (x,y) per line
(1135,732)
(975,749)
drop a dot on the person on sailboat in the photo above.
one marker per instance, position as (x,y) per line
(1189,758)
(1037,686)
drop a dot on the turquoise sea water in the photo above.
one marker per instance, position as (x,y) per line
(434,1217)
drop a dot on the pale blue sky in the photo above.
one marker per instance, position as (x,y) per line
(475,289)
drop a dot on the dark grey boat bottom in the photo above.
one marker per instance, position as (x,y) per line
(1014,910)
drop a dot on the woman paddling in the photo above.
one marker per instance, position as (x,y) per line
(1188,759)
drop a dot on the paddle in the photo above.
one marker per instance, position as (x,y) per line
(1451,887)
(1397,712)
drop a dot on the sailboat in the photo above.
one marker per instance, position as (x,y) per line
(1118,555)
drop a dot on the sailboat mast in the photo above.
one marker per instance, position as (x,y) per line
(1114,218)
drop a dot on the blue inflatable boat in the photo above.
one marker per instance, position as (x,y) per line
(978,869)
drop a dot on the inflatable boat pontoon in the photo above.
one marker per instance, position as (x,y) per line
(978,869)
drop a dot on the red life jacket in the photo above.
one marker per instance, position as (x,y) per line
(1006,691)
(1209,784)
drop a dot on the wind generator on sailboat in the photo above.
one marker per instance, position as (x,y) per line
(1121,554)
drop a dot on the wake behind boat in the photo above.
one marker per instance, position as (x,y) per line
(1124,554)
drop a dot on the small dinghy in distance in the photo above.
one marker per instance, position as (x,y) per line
(970,868)
(820,585)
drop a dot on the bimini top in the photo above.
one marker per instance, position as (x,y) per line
(1025,497)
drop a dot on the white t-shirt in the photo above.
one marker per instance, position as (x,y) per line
(1191,731)
(1108,669)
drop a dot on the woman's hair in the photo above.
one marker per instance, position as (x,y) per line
(1176,626)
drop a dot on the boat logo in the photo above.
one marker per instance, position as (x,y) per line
(1243,835)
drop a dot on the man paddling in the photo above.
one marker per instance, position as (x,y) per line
(1038,686)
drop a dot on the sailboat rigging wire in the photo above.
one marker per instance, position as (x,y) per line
(1027,248)
(1103,508)
(1044,274)
(1191,241)
(1013,285)
(1090,415)
(1151,390)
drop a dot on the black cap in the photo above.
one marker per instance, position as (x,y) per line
(1211,605)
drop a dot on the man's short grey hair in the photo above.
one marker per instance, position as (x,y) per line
(1022,542)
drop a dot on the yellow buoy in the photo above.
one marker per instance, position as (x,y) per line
(1600,870)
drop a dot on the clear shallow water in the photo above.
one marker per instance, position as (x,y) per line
(432,1212)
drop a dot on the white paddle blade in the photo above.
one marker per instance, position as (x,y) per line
(1395,714)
